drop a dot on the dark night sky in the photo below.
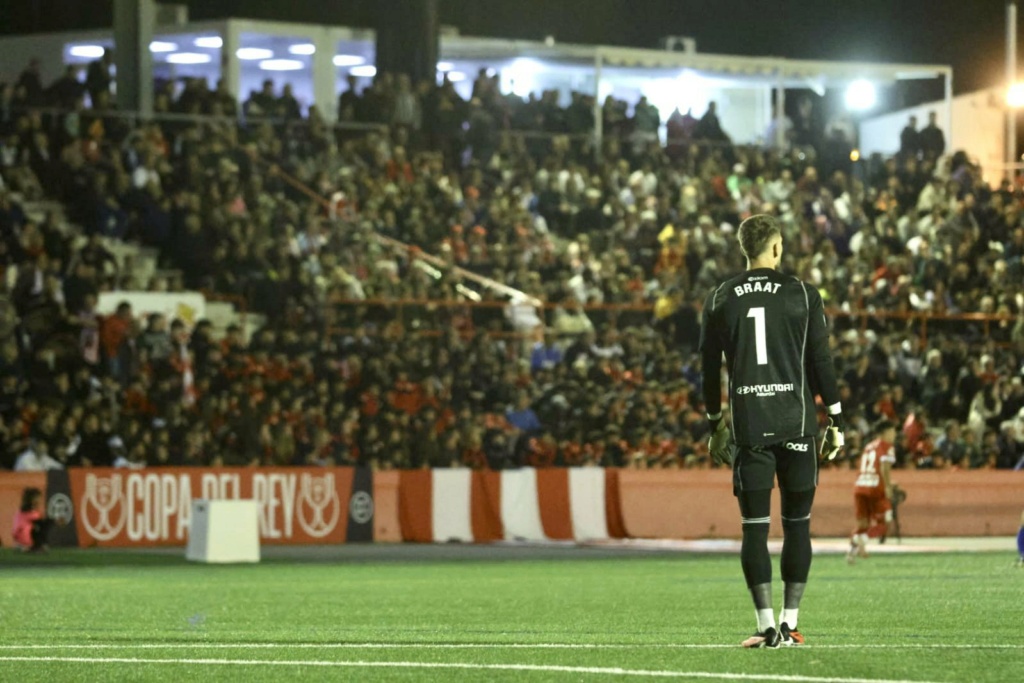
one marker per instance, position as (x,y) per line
(969,34)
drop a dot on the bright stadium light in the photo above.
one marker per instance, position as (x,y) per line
(520,76)
(445,66)
(366,71)
(210,42)
(861,95)
(188,58)
(348,60)
(455,76)
(1015,95)
(281,65)
(302,49)
(162,46)
(87,51)
(254,53)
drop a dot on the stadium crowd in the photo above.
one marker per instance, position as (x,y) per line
(376,354)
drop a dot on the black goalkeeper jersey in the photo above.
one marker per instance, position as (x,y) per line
(772,329)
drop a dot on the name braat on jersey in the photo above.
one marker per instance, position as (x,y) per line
(764,389)
(751,287)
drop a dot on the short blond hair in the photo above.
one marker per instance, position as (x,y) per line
(756,233)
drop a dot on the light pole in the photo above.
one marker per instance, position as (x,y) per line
(1011,78)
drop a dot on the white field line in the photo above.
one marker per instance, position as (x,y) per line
(199,645)
(606,671)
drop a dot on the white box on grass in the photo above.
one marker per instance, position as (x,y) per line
(224,531)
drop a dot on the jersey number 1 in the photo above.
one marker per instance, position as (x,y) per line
(760,342)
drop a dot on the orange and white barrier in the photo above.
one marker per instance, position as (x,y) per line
(108,507)
(526,504)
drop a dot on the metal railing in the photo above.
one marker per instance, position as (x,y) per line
(432,316)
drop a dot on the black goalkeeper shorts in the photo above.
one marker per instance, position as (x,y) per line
(794,461)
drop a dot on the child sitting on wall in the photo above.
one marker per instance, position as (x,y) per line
(30,527)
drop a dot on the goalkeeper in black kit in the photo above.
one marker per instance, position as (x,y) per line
(771,328)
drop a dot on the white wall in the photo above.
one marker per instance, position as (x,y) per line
(978,128)
(744,113)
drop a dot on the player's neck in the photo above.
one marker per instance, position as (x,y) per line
(760,264)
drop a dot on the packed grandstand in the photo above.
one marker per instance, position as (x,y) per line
(450,282)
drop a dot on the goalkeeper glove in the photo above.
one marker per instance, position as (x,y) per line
(834,439)
(720,443)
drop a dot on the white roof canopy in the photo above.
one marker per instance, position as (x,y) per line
(790,72)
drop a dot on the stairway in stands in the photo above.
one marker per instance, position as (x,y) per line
(142,263)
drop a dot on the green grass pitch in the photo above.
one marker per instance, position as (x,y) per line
(102,616)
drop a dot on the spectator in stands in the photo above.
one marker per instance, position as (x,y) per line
(646,121)
(481,134)
(522,416)
(263,103)
(348,101)
(709,127)
(31,83)
(98,78)
(931,139)
(116,338)
(643,227)
(8,119)
(952,446)
(545,354)
(287,106)
(155,341)
(571,320)
(1013,432)
(910,139)
(407,112)
(36,458)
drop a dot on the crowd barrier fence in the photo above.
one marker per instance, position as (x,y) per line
(915,322)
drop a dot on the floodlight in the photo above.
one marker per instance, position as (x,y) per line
(365,71)
(348,60)
(213,42)
(860,95)
(188,58)
(1015,95)
(521,75)
(88,51)
(254,53)
(281,65)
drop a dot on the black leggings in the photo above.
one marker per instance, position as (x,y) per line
(755,507)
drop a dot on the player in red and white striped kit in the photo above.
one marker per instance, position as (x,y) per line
(873,491)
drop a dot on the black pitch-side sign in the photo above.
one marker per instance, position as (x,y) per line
(360,507)
(61,509)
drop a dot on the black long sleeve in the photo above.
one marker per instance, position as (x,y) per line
(711,359)
(819,358)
